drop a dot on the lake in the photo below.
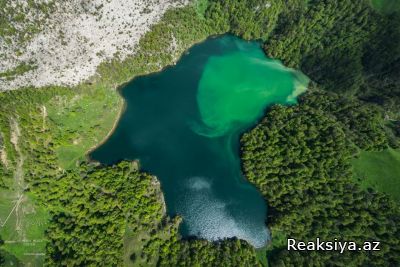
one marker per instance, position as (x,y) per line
(183,124)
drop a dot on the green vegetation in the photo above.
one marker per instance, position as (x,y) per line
(254,19)
(1,254)
(93,215)
(24,226)
(19,70)
(16,25)
(380,171)
(78,113)
(344,47)
(261,255)
(230,252)
(362,122)
(299,157)
(202,7)
(326,41)
(92,208)
(386,6)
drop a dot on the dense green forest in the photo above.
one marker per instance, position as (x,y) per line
(299,156)
(109,204)
(343,46)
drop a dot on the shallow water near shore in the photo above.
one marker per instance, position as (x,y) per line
(184,123)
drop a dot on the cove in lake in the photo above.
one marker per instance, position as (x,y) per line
(184,123)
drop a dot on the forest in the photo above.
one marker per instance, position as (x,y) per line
(298,156)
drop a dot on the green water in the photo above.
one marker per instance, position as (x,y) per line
(184,125)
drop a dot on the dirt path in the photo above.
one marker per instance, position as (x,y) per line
(18,177)
(44,115)
(3,157)
(12,210)
(18,174)
(3,153)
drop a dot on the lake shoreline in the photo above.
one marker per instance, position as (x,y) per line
(163,131)
(121,111)
(118,88)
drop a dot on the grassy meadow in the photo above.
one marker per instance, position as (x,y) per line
(386,6)
(379,170)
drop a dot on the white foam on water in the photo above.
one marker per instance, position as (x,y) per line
(199,183)
(208,217)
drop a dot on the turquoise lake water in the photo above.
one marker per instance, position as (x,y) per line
(184,123)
